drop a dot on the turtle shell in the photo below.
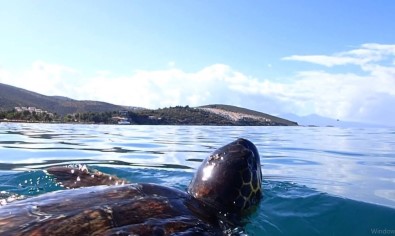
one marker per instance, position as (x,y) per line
(226,184)
(137,209)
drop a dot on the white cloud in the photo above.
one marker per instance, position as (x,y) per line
(367,53)
(328,61)
(346,96)
(168,87)
(41,77)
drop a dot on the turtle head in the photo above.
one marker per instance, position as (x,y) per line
(230,178)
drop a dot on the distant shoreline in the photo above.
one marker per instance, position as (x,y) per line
(40,122)
(92,123)
(211,115)
(24,106)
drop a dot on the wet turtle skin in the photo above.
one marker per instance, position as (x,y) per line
(141,209)
(226,185)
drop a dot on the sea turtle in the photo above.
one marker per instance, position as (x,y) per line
(225,188)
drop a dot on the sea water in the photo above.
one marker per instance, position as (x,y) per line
(317,180)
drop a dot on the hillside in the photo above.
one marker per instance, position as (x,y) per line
(236,114)
(11,97)
(71,110)
(206,115)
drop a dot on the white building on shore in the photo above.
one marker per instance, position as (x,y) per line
(31,110)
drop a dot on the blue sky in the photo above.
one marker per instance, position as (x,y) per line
(331,58)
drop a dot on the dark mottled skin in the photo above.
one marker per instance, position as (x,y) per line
(235,182)
(105,210)
(210,206)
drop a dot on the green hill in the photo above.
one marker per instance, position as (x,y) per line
(251,114)
(11,97)
(221,115)
(101,112)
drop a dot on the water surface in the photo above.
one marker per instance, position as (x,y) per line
(317,181)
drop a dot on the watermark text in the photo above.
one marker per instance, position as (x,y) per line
(383,231)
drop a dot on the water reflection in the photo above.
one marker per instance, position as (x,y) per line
(354,163)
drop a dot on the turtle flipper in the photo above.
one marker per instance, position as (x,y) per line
(77,177)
